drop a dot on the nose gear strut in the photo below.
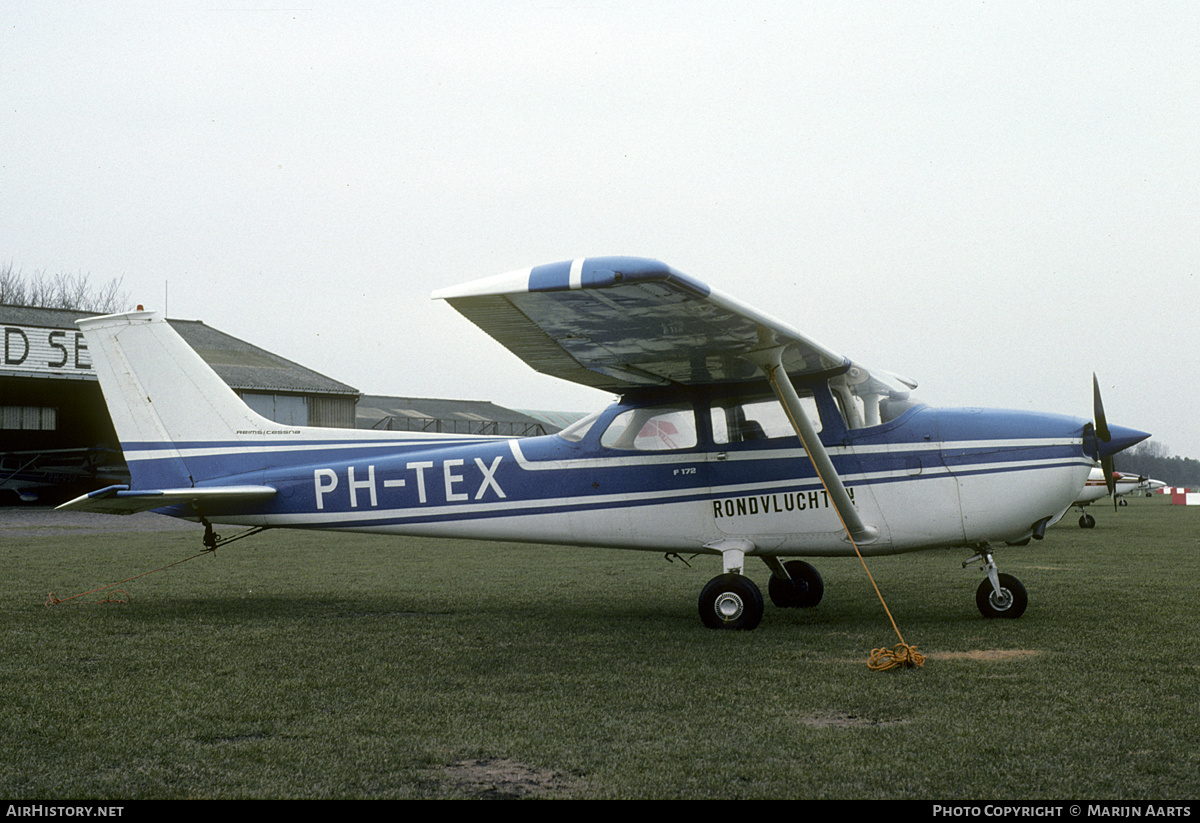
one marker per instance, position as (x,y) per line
(1000,595)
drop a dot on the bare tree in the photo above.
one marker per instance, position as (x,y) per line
(1151,448)
(60,291)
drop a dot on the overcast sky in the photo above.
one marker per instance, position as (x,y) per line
(994,199)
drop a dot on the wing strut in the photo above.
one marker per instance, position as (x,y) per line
(770,361)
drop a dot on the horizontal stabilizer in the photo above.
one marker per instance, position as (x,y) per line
(121,500)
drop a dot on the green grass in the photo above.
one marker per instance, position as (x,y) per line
(302,665)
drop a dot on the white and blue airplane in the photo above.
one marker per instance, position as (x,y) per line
(734,435)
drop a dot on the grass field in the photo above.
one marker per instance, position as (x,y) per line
(298,665)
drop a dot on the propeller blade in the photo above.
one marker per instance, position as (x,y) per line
(1098,410)
(1102,432)
(1110,478)
(1124,439)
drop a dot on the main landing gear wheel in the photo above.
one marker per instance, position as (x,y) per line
(731,601)
(1009,603)
(802,591)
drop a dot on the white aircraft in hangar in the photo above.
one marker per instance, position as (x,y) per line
(734,435)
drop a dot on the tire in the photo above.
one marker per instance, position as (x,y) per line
(1086,521)
(731,601)
(803,591)
(1010,607)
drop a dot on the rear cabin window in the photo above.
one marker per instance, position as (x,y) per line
(579,429)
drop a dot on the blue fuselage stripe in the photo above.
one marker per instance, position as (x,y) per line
(436,481)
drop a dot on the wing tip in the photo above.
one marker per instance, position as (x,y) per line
(578,273)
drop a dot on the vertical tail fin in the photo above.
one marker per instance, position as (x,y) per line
(166,403)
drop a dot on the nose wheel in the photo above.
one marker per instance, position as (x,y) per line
(1000,595)
(1010,601)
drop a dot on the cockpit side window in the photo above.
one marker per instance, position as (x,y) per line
(653,428)
(739,420)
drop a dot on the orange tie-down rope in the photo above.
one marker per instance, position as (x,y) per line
(51,600)
(901,654)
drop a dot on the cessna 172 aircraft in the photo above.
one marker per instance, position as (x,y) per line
(734,436)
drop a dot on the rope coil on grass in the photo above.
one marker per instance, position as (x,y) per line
(901,654)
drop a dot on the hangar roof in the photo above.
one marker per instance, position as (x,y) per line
(436,414)
(245,366)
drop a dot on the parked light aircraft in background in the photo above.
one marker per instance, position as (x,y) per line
(1097,488)
(27,474)
(734,436)
(1148,485)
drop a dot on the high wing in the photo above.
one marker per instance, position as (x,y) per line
(616,323)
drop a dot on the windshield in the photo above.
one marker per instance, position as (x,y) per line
(867,399)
